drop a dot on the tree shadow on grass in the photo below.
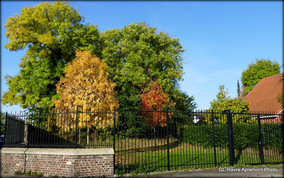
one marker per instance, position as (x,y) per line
(152,148)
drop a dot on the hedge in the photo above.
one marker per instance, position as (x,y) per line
(245,135)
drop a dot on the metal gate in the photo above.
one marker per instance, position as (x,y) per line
(267,144)
(267,130)
(167,140)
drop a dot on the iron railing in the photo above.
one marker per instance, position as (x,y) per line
(78,129)
(156,140)
(167,140)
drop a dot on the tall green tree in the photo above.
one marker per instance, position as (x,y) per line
(138,53)
(257,70)
(50,32)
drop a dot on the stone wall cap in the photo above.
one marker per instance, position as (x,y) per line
(50,151)
(13,150)
(59,151)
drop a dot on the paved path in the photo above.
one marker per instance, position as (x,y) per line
(254,171)
(259,171)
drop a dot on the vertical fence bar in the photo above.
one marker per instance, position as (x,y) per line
(87,112)
(38,116)
(282,129)
(260,143)
(168,143)
(231,137)
(26,142)
(6,124)
(214,142)
(76,126)
(114,139)
(127,145)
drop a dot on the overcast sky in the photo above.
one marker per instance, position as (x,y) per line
(220,38)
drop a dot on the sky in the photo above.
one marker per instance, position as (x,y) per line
(220,38)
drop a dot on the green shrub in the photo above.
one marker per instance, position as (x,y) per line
(39,174)
(28,172)
(18,173)
(245,135)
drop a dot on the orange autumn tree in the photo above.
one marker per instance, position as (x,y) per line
(154,99)
(86,84)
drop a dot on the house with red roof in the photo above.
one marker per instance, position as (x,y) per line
(263,97)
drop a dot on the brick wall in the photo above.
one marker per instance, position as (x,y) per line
(90,166)
(60,162)
(12,161)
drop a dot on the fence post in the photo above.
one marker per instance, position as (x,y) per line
(168,142)
(76,126)
(282,129)
(6,124)
(231,137)
(26,131)
(214,142)
(260,143)
(114,140)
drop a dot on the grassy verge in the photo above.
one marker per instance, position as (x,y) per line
(145,157)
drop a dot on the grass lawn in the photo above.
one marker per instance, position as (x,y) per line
(140,156)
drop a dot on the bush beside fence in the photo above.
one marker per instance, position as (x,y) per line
(245,135)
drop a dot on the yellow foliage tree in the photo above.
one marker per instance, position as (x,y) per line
(86,84)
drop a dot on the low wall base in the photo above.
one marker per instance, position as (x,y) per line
(58,162)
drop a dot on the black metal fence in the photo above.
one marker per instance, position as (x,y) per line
(156,140)
(167,140)
(78,129)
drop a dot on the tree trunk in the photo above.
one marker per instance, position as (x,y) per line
(79,136)
(88,136)
(155,137)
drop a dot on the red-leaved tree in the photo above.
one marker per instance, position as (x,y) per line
(154,100)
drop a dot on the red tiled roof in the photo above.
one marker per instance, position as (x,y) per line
(263,97)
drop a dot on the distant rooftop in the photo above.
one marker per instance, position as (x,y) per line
(263,97)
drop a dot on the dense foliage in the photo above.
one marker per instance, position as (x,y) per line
(51,33)
(257,70)
(154,99)
(138,53)
(245,136)
(86,84)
